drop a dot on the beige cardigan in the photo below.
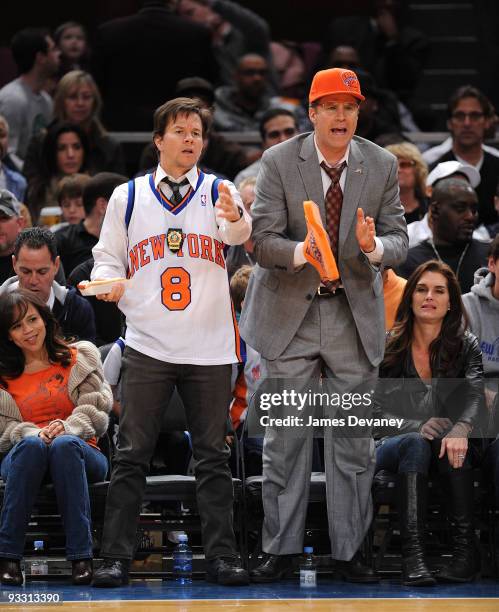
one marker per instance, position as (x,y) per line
(87,389)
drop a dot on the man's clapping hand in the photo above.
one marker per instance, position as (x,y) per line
(365,232)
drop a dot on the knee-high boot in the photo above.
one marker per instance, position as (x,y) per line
(464,565)
(496,550)
(412,489)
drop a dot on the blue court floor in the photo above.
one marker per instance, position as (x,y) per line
(143,590)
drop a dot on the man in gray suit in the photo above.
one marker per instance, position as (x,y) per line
(303,327)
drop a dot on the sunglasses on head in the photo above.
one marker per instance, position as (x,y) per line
(406,163)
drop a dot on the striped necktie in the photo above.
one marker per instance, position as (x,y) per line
(176,197)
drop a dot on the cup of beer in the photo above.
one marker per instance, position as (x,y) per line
(50,215)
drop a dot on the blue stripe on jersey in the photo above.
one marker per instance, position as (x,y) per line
(165,202)
(214,190)
(242,349)
(121,343)
(130,202)
(242,344)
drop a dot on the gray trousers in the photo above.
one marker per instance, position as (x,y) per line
(326,342)
(147,386)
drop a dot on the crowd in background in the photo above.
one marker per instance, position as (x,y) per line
(59,162)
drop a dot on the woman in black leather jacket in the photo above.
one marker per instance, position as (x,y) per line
(432,377)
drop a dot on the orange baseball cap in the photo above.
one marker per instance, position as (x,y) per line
(334,81)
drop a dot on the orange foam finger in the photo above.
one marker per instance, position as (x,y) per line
(317,248)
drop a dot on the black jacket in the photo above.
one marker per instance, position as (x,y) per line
(108,318)
(74,245)
(74,313)
(459,395)
(474,258)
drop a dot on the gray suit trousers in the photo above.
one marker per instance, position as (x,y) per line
(327,342)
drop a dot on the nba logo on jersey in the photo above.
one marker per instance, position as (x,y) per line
(203,199)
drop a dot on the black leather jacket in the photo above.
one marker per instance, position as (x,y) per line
(459,395)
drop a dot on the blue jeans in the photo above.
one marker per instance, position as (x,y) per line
(71,463)
(408,452)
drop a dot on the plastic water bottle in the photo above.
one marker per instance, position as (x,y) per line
(182,561)
(308,570)
(39,566)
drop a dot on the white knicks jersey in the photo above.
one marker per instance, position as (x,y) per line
(178,308)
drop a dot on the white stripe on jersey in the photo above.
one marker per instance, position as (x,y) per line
(178,309)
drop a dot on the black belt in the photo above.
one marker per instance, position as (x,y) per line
(323,292)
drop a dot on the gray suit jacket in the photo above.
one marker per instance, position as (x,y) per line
(279,294)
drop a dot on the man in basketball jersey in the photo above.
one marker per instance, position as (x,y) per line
(166,231)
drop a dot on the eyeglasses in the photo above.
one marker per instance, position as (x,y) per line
(406,163)
(461,116)
(333,108)
(288,132)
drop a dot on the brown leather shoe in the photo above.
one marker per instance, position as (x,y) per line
(10,572)
(82,571)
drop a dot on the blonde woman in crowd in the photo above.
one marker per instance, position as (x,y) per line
(412,173)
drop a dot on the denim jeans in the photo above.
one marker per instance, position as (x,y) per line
(71,464)
(411,452)
(404,453)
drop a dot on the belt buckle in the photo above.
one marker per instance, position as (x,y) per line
(322,291)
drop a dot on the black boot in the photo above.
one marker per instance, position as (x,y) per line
(412,491)
(464,565)
(496,551)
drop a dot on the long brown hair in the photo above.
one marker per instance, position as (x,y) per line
(13,308)
(445,348)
